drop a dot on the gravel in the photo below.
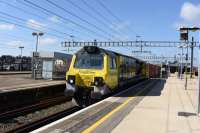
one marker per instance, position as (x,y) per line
(13,123)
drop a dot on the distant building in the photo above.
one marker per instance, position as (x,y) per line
(12,63)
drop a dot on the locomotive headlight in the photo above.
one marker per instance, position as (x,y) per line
(71,79)
(98,81)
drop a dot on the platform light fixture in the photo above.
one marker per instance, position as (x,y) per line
(193,29)
(21,48)
(37,34)
(35,63)
(184,31)
(181,56)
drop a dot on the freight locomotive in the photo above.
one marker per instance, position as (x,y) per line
(95,72)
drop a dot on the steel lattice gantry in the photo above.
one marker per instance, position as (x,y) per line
(130,44)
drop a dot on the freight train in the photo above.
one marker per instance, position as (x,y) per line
(95,72)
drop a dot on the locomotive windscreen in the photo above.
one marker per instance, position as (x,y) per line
(89,61)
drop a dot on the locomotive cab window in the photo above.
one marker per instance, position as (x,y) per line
(113,64)
(89,61)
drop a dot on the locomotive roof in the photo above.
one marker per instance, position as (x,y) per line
(112,53)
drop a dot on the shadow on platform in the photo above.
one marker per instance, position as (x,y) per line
(186,114)
(154,90)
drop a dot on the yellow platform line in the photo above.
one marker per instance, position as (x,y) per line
(97,123)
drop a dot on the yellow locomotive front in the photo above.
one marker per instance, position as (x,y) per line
(87,75)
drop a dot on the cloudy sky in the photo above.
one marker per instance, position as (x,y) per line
(86,20)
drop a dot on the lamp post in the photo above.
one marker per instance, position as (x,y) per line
(21,48)
(184,46)
(198,102)
(186,58)
(192,54)
(35,64)
(181,71)
(179,65)
(184,31)
(37,34)
(195,29)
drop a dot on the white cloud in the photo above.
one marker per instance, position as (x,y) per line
(54,19)
(177,25)
(120,25)
(48,41)
(190,13)
(14,44)
(121,38)
(35,24)
(7,26)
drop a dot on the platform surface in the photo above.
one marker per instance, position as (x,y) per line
(14,72)
(23,81)
(174,111)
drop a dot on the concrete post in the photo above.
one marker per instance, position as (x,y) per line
(192,54)
(198,102)
(181,64)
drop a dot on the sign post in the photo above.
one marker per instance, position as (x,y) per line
(198,102)
(198,89)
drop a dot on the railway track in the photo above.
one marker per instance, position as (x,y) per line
(38,123)
(26,109)
(24,118)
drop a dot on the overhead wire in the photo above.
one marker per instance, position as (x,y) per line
(23,20)
(21,9)
(29,28)
(47,12)
(10,45)
(94,10)
(91,15)
(66,19)
(112,14)
(108,10)
(41,17)
(74,15)
(100,15)
(14,37)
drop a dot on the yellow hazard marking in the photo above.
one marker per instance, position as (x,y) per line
(97,123)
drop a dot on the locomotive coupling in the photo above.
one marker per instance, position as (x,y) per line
(98,92)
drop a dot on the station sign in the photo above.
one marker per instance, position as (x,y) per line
(184,36)
(35,54)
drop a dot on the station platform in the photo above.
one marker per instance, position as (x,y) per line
(14,72)
(173,111)
(18,90)
(166,108)
(15,82)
